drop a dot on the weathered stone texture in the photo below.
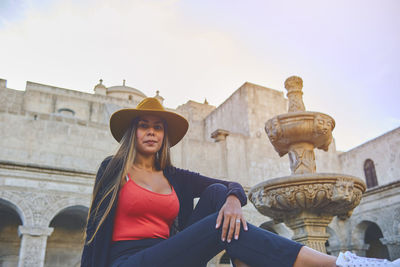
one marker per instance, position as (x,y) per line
(384,151)
(11,100)
(232,115)
(53,141)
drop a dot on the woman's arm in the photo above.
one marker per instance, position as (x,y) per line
(199,183)
(88,249)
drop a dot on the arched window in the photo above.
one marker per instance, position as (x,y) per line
(66,111)
(370,174)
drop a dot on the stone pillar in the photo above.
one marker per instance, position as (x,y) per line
(33,245)
(310,229)
(393,245)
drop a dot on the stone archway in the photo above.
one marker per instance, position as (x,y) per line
(376,249)
(366,240)
(65,244)
(18,203)
(63,204)
(9,240)
(358,245)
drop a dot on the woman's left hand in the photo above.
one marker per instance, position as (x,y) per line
(231,213)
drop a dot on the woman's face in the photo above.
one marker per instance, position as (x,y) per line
(149,134)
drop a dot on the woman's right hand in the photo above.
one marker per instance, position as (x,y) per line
(232,217)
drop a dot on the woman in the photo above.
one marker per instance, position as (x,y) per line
(142,207)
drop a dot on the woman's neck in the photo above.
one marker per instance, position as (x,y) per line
(146,163)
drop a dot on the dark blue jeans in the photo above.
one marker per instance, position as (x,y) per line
(200,241)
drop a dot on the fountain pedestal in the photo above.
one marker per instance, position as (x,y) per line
(306,201)
(310,229)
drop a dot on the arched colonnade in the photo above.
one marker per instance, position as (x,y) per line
(41,230)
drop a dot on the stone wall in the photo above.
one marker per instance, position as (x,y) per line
(48,99)
(11,101)
(54,141)
(43,135)
(231,115)
(383,151)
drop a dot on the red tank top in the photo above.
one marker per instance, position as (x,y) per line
(142,213)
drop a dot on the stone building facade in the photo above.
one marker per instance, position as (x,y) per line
(53,140)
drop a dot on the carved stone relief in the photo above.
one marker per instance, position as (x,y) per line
(38,204)
(273,129)
(302,160)
(323,197)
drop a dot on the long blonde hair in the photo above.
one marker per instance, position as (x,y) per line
(110,182)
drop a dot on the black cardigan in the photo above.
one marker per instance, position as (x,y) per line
(187,185)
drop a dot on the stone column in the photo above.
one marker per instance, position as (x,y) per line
(310,229)
(33,245)
(393,245)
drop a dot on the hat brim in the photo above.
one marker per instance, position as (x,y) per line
(177,125)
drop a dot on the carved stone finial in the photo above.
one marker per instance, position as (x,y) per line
(294,83)
(294,86)
(205,101)
(100,89)
(157,93)
(123,82)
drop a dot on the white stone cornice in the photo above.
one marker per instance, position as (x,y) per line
(42,178)
(4,164)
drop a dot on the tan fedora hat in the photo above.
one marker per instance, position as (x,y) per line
(121,120)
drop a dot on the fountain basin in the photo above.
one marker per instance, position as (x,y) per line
(318,193)
(300,127)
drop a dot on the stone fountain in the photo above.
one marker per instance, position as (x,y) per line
(305,201)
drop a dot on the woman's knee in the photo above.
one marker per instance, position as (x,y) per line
(214,195)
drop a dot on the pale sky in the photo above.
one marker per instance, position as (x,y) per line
(347,52)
